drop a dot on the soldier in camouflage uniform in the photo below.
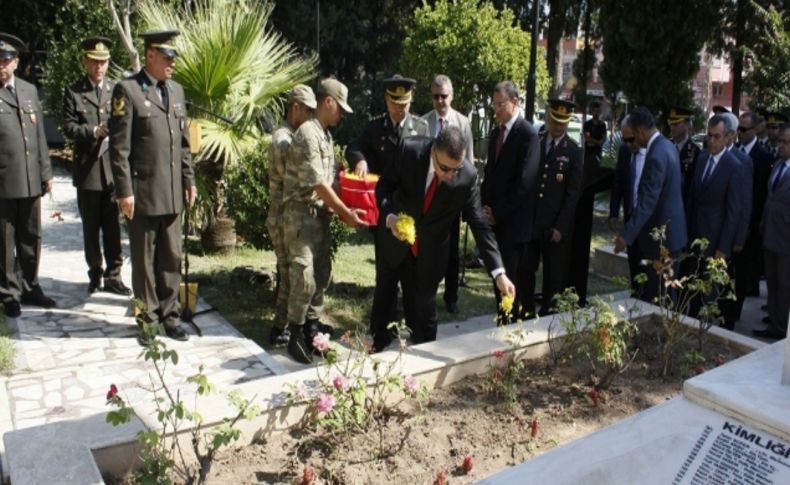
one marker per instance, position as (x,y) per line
(301,104)
(308,201)
(679,120)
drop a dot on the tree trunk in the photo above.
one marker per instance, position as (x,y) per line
(553,42)
(219,235)
(737,57)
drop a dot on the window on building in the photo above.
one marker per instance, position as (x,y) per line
(717,89)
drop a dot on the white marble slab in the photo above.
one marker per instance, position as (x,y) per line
(676,443)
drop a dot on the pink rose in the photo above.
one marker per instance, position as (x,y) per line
(499,354)
(340,382)
(321,342)
(326,402)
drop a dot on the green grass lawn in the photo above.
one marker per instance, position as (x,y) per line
(250,307)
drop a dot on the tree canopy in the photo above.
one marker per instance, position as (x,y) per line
(768,79)
(476,45)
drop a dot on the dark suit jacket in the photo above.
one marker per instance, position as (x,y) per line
(746,197)
(776,216)
(560,177)
(621,185)
(715,207)
(762,160)
(82,112)
(659,200)
(402,189)
(24,156)
(510,182)
(149,148)
(688,154)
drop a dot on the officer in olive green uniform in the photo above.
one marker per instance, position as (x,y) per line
(86,111)
(151,166)
(25,175)
(301,103)
(679,120)
(561,177)
(377,146)
(309,198)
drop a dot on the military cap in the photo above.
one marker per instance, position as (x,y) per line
(399,89)
(679,115)
(303,94)
(775,119)
(10,46)
(763,113)
(561,110)
(719,109)
(162,40)
(97,48)
(337,91)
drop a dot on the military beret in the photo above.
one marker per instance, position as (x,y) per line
(163,40)
(10,46)
(399,89)
(561,110)
(97,48)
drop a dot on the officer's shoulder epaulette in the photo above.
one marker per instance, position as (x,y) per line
(378,117)
(418,120)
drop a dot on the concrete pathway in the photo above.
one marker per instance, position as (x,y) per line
(67,357)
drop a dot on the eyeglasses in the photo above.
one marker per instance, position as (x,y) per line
(444,168)
(440,96)
(744,129)
(629,139)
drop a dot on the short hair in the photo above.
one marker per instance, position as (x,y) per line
(507,87)
(730,122)
(716,120)
(752,117)
(442,80)
(452,141)
(641,117)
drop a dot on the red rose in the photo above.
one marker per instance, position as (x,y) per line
(112,392)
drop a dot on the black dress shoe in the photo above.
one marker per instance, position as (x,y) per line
(36,297)
(117,287)
(768,333)
(451,306)
(94,285)
(764,308)
(767,320)
(279,337)
(298,347)
(11,308)
(177,333)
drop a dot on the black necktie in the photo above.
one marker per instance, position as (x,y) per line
(98,93)
(551,149)
(163,93)
(13,92)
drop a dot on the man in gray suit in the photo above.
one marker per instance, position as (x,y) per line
(152,170)
(442,116)
(776,234)
(25,175)
(86,109)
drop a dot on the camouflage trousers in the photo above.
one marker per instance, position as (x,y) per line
(274,224)
(308,249)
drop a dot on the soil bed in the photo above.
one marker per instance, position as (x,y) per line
(464,419)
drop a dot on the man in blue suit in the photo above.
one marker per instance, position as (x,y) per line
(659,200)
(508,190)
(715,204)
(630,164)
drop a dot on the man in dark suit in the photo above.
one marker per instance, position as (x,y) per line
(679,120)
(560,175)
(752,254)
(714,205)
(508,190)
(25,175)
(152,170)
(630,164)
(430,183)
(776,234)
(659,199)
(85,114)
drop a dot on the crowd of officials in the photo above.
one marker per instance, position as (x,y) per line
(531,204)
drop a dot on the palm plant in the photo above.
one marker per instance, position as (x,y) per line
(231,63)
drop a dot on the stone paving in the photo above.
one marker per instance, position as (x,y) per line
(67,357)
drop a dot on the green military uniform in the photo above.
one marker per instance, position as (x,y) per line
(311,162)
(85,107)
(150,159)
(24,171)
(561,177)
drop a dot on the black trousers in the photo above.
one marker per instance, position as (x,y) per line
(101,229)
(513,259)
(635,267)
(556,273)
(777,279)
(580,251)
(453,264)
(155,243)
(20,246)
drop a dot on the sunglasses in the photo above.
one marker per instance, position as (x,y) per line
(744,129)
(440,96)
(444,168)
(629,139)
